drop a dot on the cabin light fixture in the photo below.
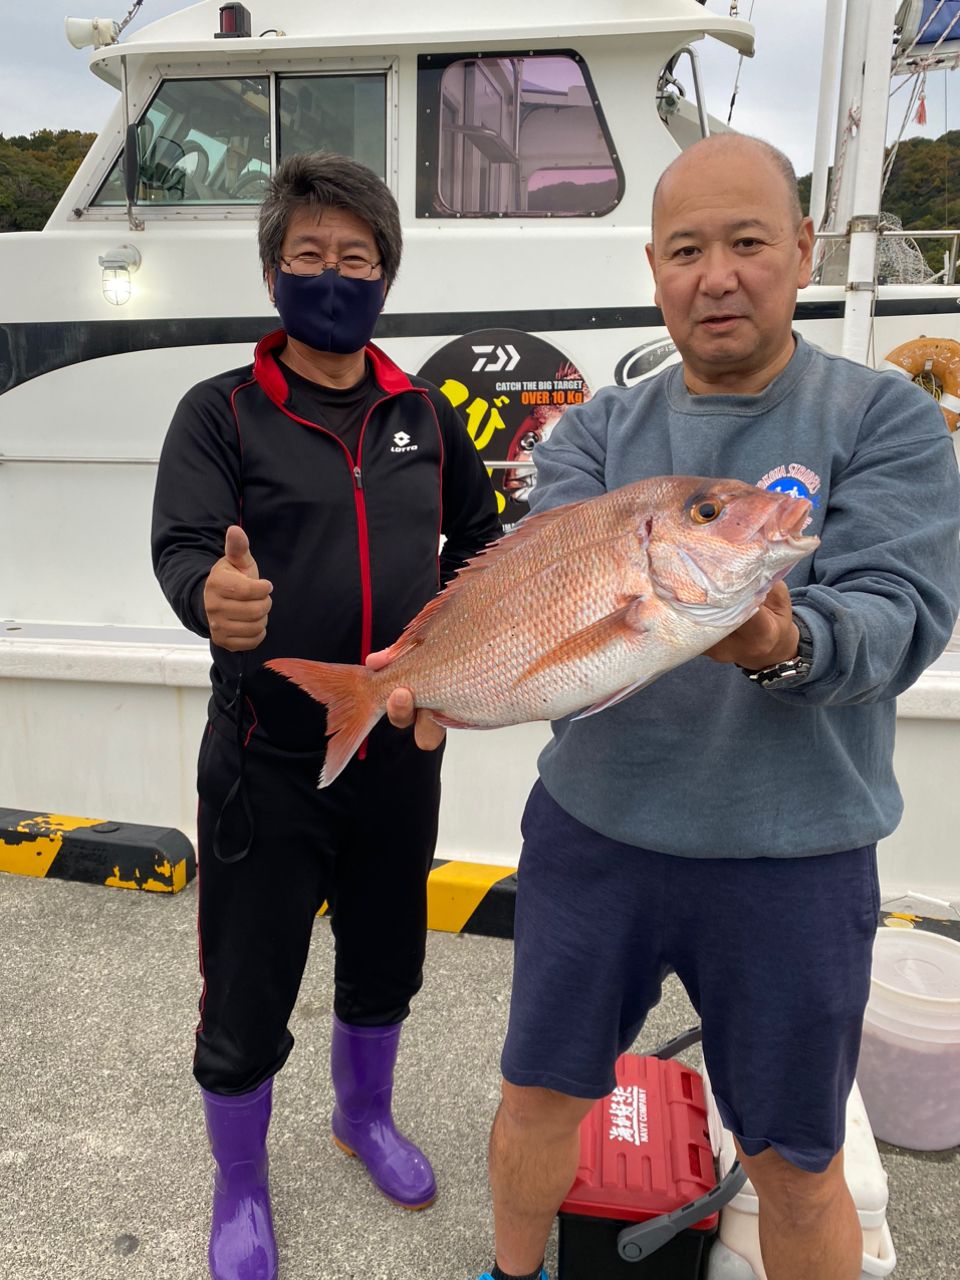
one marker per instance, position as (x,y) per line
(117,266)
(84,32)
(234,22)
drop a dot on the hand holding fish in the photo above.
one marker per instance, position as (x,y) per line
(575,610)
(770,636)
(235,597)
(402,711)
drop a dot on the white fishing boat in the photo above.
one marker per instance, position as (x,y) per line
(522,142)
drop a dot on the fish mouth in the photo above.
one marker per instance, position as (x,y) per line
(786,522)
(783,523)
(781,529)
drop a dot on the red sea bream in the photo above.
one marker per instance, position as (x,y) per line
(574,610)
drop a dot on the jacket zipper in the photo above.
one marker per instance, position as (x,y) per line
(363,536)
(361,510)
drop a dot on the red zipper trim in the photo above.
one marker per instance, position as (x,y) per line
(390,378)
(236,421)
(436,419)
(366,624)
(256,720)
(363,535)
(366,583)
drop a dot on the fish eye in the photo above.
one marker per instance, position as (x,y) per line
(705,512)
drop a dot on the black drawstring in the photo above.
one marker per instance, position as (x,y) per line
(238,789)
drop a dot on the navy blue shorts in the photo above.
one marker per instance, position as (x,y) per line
(774,953)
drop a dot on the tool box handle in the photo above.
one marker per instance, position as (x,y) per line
(639,1241)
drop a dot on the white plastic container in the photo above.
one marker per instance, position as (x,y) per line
(724,1264)
(736,1254)
(909,1071)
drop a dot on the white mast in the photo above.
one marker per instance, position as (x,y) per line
(849,107)
(865,180)
(832,29)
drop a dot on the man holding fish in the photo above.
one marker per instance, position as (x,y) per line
(723,823)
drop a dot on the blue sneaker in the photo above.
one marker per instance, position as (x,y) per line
(487,1276)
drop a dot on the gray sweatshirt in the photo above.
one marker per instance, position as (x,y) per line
(703,762)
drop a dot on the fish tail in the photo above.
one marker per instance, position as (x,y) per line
(353,705)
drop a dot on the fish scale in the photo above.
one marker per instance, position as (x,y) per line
(575,609)
(561,599)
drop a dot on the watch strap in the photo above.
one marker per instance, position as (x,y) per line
(792,669)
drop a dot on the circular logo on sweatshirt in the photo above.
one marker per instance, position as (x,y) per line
(794,479)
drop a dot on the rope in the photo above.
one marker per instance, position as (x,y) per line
(929,57)
(824,249)
(888,163)
(852,125)
(918,96)
(946,31)
(923,29)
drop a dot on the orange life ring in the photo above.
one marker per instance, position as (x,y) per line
(934,364)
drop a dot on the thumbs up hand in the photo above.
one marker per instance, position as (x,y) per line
(235,597)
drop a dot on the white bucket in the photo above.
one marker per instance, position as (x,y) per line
(736,1254)
(909,1070)
(724,1264)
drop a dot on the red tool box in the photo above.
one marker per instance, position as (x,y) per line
(644,1152)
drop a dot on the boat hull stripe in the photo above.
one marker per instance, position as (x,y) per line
(29,350)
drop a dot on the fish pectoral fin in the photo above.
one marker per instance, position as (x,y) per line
(630,619)
(612,699)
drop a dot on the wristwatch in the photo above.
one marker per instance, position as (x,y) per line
(784,673)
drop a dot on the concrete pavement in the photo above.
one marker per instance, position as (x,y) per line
(104,1170)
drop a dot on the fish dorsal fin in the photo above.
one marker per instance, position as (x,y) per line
(631,619)
(532,527)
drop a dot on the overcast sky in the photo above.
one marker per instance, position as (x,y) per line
(45,83)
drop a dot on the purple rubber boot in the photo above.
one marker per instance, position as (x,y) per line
(361,1062)
(242,1246)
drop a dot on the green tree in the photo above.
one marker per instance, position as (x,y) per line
(923,191)
(34,172)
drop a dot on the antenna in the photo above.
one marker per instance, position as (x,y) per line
(134,9)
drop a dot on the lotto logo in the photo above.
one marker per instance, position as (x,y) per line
(401,443)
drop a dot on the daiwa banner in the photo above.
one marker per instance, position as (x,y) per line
(512,388)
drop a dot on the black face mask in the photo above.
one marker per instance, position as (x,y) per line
(328,312)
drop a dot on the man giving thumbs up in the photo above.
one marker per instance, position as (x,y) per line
(294,459)
(235,598)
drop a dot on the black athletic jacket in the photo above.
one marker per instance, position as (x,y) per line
(350,544)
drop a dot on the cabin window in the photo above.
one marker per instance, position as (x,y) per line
(512,136)
(342,113)
(201,142)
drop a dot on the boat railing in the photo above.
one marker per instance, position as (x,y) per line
(947,275)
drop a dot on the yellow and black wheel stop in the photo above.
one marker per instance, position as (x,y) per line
(121,855)
(471,897)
